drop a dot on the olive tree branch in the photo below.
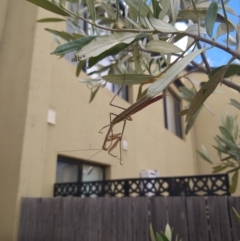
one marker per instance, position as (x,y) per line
(212,42)
(204,58)
(226,82)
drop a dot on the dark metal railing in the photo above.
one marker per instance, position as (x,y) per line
(203,185)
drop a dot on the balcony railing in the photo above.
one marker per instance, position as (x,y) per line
(204,185)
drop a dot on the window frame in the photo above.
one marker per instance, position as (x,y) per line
(79,163)
(178,124)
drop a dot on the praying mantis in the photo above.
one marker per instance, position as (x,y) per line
(123,117)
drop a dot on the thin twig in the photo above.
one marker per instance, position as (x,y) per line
(226,82)
(204,58)
(196,37)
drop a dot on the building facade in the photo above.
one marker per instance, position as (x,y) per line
(47,123)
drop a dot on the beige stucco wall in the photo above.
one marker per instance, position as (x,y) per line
(17,21)
(32,82)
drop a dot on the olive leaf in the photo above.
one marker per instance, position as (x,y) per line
(206,90)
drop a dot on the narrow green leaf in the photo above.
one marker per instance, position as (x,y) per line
(72,46)
(48,20)
(113,51)
(103,43)
(151,233)
(158,237)
(77,36)
(235,103)
(221,149)
(137,8)
(222,29)
(225,19)
(166,6)
(109,10)
(79,67)
(64,35)
(190,93)
(141,93)
(100,70)
(205,5)
(191,121)
(190,14)
(218,169)
(140,7)
(204,157)
(50,7)
(118,9)
(235,154)
(162,47)
(105,21)
(234,182)
(158,86)
(137,57)
(236,214)
(233,69)
(227,142)
(162,26)
(193,29)
(226,133)
(156,8)
(91,9)
(93,94)
(164,238)
(127,79)
(182,112)
(110,52)
(211,17)
(205,91)
(175,6)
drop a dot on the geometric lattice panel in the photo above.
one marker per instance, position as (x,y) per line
(204,185)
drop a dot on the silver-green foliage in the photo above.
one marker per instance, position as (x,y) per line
(228,150)
(144,30)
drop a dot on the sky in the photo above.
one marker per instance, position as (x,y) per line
(218,57)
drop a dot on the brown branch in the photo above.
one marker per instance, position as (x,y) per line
(199,66)
(230,84)
(226,82)
(234,53)
(208,68)
(196,37)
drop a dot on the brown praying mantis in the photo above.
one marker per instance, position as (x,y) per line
(123,117)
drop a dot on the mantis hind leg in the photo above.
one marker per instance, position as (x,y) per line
(118,138)
(120,144)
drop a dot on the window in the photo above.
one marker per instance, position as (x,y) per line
(172,121)
(71,170)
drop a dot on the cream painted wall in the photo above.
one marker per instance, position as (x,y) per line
(78,123)
(17,22)
(32,82)
(3,13)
